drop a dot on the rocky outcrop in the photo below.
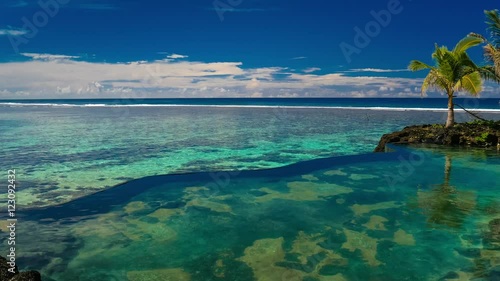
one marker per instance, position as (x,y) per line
(473,134)
(6,275)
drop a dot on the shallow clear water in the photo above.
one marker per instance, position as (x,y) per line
(65,153)
(392,216)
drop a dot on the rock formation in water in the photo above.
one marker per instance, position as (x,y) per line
(6,275)
(473,134)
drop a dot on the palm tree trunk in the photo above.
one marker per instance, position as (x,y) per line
(450,121)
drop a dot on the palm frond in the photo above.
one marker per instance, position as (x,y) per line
(464,65)
(439,52)
(493,26)
(416,65)
(488,73)
(449,65)
(434,80)
(466,43)
(470,83)
(477,35)
(492,54)
(427,84)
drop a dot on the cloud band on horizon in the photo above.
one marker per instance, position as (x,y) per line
(60,76)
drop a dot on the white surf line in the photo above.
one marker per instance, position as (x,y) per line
(377,108)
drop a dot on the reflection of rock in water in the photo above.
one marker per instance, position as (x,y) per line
(445,205)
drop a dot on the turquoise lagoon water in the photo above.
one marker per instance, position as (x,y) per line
(392,216)
(369,217)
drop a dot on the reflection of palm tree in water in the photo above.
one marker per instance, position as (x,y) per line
(445,205)
(447,170)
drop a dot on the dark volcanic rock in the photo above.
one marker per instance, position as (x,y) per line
(27,276)
(474,134)
(4,270)
(5,275)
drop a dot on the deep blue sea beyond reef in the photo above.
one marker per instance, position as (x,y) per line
(364,103)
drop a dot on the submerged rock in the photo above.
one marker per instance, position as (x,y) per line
(5,275)
(27,276)
(474,134)
(4,270)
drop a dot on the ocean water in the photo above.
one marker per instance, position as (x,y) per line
(491,104)
(259,192)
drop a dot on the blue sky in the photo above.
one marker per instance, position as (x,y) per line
(225,48)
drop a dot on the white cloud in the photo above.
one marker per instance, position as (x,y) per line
(65,90)
(378,70)
(253,84)
(59,76)
(298,58)
(176,56)
(311,69)
(13,32)
(36,56)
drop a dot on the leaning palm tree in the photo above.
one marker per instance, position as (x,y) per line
(454,71)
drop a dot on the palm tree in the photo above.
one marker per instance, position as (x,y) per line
(454,72)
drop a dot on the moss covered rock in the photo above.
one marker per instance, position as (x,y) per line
(473,134)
